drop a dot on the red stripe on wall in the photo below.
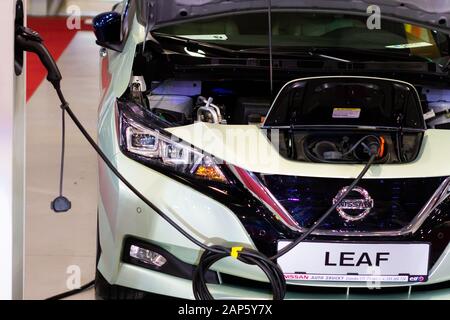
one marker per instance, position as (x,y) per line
(57,38)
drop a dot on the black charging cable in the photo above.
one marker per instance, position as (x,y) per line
(71,293)
(270,268)
(329,211)
(61,203)
(274,274)
(360,142)
(213,254)
(29,40)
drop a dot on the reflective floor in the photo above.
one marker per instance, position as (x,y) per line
(61,246)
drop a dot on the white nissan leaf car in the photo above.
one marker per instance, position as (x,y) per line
(244,122)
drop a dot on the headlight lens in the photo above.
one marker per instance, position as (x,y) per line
(155,147)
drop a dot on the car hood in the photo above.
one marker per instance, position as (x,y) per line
(247,147)
(434,14)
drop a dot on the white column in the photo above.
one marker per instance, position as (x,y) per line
(12,137)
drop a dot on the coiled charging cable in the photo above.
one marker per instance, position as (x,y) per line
(269,265)
(213,254)
(30,41)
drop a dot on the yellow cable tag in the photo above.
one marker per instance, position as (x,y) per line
(235,251)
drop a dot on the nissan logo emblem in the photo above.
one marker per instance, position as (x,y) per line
(355,208)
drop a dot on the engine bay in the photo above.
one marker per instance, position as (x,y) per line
(183,102)
(339,119)
(328,119)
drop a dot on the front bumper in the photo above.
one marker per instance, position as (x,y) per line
(122,214)
(166,285)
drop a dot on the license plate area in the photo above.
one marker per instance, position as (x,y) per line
(356,262)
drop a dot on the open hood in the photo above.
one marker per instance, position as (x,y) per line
(434,14)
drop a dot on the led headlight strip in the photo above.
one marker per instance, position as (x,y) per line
(146,144)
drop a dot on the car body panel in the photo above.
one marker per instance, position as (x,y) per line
(229,142)
(122,214)
(120,66)
(127,215)
(203,216)
(152,281)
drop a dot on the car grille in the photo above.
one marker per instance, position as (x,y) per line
(396,201)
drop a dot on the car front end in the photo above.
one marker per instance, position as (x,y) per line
(242,146)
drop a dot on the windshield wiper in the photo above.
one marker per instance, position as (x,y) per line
(328,57)
(330,53)
(373,52)
(296,54)
(193,45)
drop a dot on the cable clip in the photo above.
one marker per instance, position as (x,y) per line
(235,251)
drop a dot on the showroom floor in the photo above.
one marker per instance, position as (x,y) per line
(57,244)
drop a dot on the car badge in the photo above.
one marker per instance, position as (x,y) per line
(355,208)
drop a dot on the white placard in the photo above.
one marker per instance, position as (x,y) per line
(347,261)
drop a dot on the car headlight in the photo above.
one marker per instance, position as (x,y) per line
(144,141)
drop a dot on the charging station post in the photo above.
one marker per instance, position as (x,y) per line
(12,158)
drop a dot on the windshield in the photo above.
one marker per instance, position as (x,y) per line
(297,30)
